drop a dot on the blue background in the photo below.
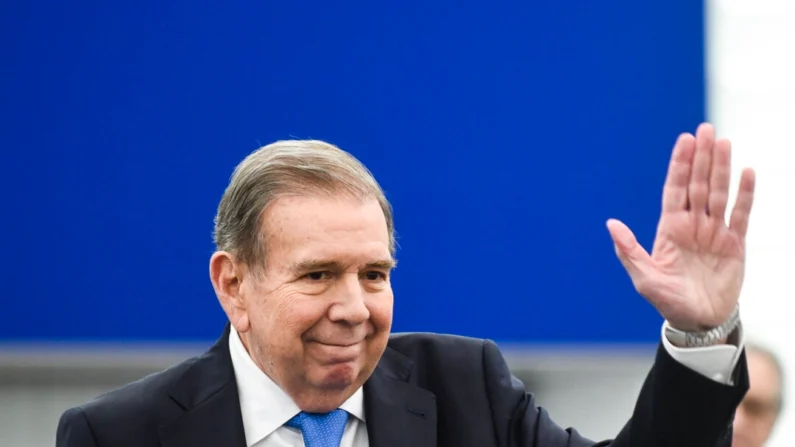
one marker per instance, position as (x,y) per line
(505,136)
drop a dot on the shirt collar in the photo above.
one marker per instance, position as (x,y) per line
(263,404)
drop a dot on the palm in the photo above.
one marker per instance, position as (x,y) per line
(703,263)
(694,273)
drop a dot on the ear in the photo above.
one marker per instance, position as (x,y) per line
(226,275)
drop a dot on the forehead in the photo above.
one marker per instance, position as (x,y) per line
(340,228)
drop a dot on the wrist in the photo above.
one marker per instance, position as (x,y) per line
(725,333)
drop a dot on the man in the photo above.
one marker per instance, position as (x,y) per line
(761,407)
(306,244)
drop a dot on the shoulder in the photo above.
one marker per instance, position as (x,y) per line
(129,412)
(141,394)
(442,352)
(418,343)
(468,376)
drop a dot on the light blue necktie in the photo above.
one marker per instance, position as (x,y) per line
(320,429)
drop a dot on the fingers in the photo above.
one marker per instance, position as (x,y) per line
(678,179)
(622,235)
(698,188)
(633,256)
(720,176)
(745,200)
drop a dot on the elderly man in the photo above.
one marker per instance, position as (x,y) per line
(306,244)
(761,407)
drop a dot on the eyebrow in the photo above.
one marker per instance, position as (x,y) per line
(314,265)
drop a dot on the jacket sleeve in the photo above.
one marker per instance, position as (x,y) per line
(74,430)
(677,407)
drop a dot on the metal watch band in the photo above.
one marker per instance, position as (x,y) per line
(705,338)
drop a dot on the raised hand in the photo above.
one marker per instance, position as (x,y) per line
(695,271)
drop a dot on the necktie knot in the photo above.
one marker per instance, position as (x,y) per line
(320,429)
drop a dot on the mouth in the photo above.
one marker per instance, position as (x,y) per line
(339,345)
(337,352)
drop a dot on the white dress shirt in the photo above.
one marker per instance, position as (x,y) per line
(266,408)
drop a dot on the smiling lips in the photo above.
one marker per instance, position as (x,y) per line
(338,353)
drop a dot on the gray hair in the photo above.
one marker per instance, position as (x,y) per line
(284,168)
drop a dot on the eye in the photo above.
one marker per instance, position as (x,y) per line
(758,408)
(374,275)
(317,276)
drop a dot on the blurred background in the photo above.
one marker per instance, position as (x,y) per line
(505,135)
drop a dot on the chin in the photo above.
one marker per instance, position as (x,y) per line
(338,376)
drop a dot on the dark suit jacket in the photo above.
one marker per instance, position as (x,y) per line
(428,390)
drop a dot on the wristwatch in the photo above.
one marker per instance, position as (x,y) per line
(704,338)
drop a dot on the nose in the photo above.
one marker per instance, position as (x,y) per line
(349,305)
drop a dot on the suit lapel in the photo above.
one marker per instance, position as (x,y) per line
(398,413)
(208,394)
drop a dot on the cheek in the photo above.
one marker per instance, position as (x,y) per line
(288,315)
(380,307)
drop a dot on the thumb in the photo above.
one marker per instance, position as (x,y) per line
(633,256)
